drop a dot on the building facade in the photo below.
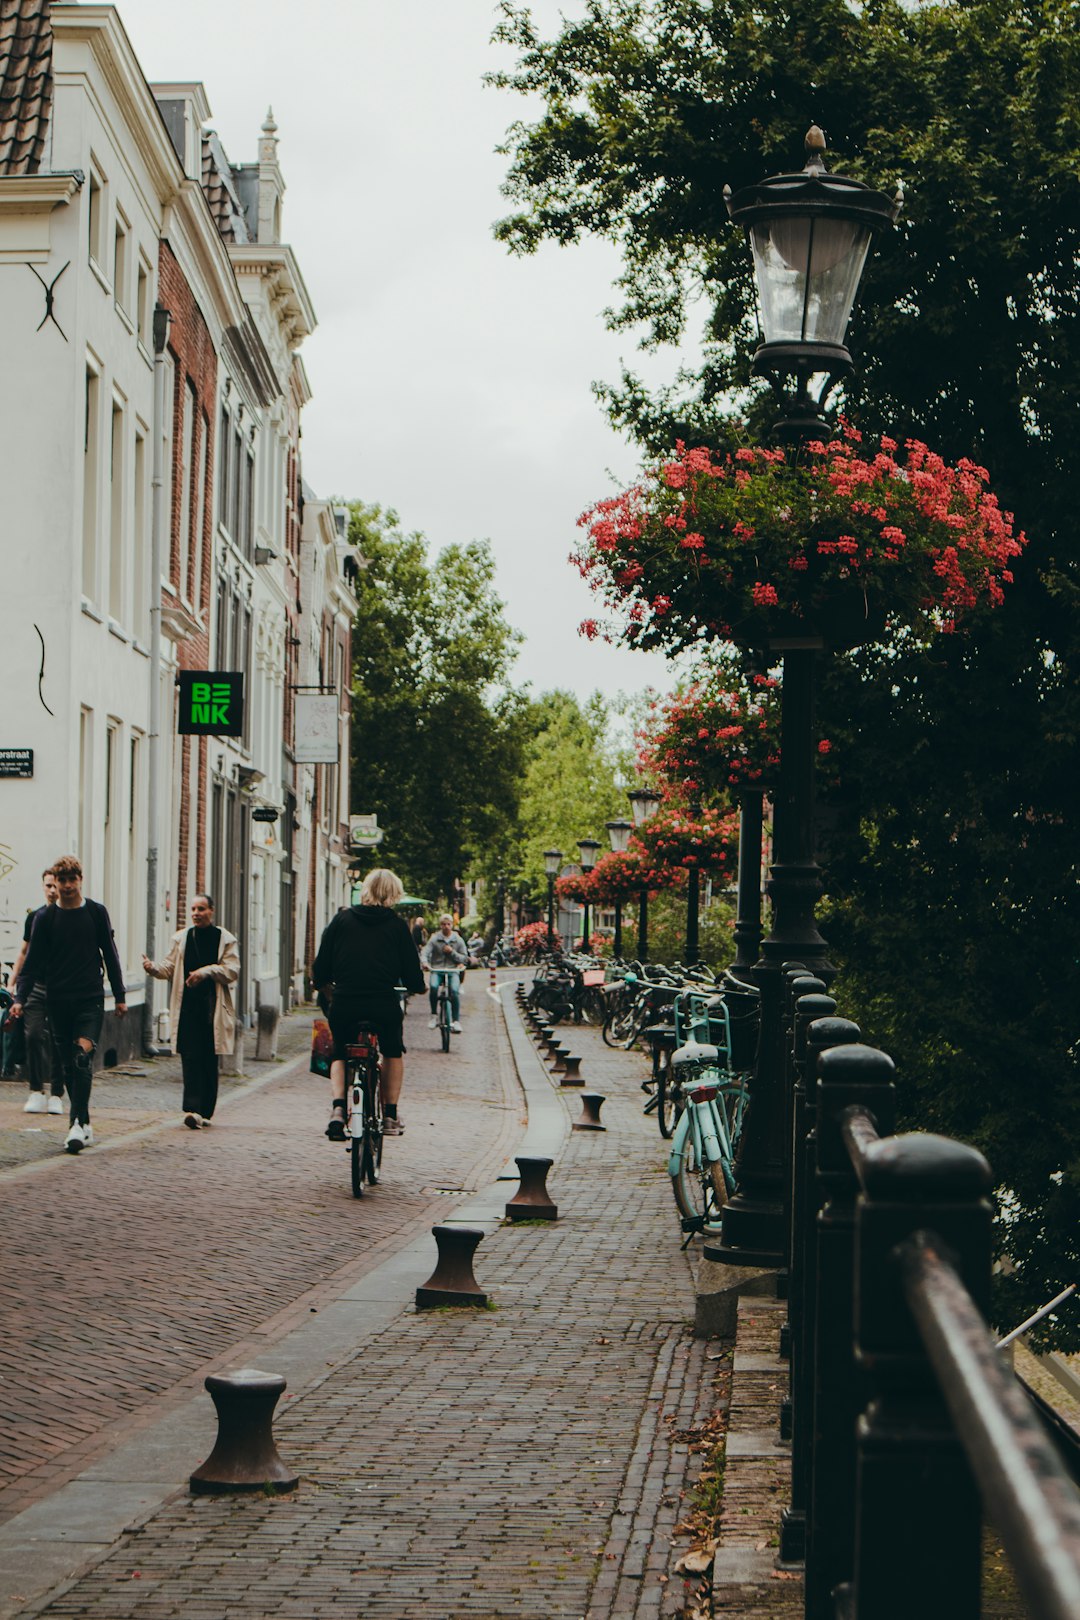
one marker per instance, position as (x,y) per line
(150,326)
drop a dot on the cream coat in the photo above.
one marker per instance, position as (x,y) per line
(226,970)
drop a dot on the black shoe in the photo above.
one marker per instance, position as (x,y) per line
(336,1128)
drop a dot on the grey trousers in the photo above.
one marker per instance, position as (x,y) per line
(39,1063)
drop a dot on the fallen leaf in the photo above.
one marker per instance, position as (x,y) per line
(697,1560)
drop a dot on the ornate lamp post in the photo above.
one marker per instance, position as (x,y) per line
(552,862)
(588,848)
(619,838)
(643,806)
(810,234)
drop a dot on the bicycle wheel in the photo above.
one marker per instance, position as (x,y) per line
(700,1194)
(593,1006)
(371,1158)
(356,1161)
(444,1026)
(668,1104)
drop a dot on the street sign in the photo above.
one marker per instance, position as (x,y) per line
(211,703)
(318,728)
(17,762)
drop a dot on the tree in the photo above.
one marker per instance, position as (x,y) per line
(953,903)
(570,787)
(437,736)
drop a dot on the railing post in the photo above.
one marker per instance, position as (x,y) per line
(860,1076)
(815,1032)
(918,1520)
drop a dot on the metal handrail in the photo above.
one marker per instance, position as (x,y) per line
(1027,1493)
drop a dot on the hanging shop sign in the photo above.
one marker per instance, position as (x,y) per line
(317,728)
(211,703)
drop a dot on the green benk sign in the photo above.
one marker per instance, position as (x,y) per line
(211,703)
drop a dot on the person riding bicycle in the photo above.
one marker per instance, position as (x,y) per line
(365,952)
(445,956)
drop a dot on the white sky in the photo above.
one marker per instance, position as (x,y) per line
(451,381)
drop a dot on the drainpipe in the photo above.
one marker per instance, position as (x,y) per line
(162,318)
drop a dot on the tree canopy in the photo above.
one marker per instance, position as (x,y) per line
(437,735)
(951,873)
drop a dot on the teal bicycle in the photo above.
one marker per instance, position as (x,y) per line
(711,1098)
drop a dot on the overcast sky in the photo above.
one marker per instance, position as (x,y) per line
(451,381)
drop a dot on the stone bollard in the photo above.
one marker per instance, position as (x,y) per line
(571,1071)
(591,1104)
(558,1054)
(531,1201)
(452,1282)
(244,1457)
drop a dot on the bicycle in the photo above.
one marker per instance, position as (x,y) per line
(363,1110)
(443,1020)
(713,1096)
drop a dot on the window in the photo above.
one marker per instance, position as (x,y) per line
(224,441)
(120,261)
(140,545)
(187,446)
(198,522)
(86,763)
(143,311)
(91,452)
(223,623)
(97,214)
(247,538)
(168,482)
(117,488)
(235,464)
(113,768)
(136,913)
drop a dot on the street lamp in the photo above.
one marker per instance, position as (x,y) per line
(552,862)
(619,838)
(809,233)
(643,806)
(588,848)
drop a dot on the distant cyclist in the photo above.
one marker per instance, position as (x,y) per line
(446,956)
(366,951)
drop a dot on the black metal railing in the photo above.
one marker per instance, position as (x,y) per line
(906,1422)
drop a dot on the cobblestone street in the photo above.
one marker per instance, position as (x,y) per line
(529,1460)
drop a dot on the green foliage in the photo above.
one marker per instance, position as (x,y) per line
(951,866)
(437,737)
(569,787)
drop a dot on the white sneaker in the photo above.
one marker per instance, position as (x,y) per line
(433,1022)
(193,1121)
(56,1105)
(88,1135)
(35,1103)
(75,1140)
(456,1027)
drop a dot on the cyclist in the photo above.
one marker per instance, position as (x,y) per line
(366,951)
(445,955)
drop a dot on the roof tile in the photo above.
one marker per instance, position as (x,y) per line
(26,84)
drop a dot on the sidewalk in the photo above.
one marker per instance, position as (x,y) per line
(533,1459)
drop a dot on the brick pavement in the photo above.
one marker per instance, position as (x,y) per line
(527,1460)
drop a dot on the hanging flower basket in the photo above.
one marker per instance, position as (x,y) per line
(839,546)
(715,737)
(706,839)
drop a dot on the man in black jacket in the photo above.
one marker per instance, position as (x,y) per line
(68,945)
(366,951)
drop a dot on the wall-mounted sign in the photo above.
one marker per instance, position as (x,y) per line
(17,762)
(365,832)
(264,812)
(317,728)
(211,703)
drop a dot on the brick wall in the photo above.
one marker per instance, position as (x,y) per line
(195,362)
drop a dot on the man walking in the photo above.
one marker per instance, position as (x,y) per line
(36,1038)
(203,963)
(69,944)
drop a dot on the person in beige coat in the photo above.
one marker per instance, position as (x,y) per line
(202,965)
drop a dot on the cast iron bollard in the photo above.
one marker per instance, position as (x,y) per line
(815,1031)
(244,1457)
(848,1076)
(591,1104)
(558,1054)
(571,1071)
(915,1488)
(531,1201)
(452,1282)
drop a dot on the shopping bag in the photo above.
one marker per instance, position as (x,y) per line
(322,1048)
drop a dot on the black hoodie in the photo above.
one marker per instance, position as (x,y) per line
(367,951)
